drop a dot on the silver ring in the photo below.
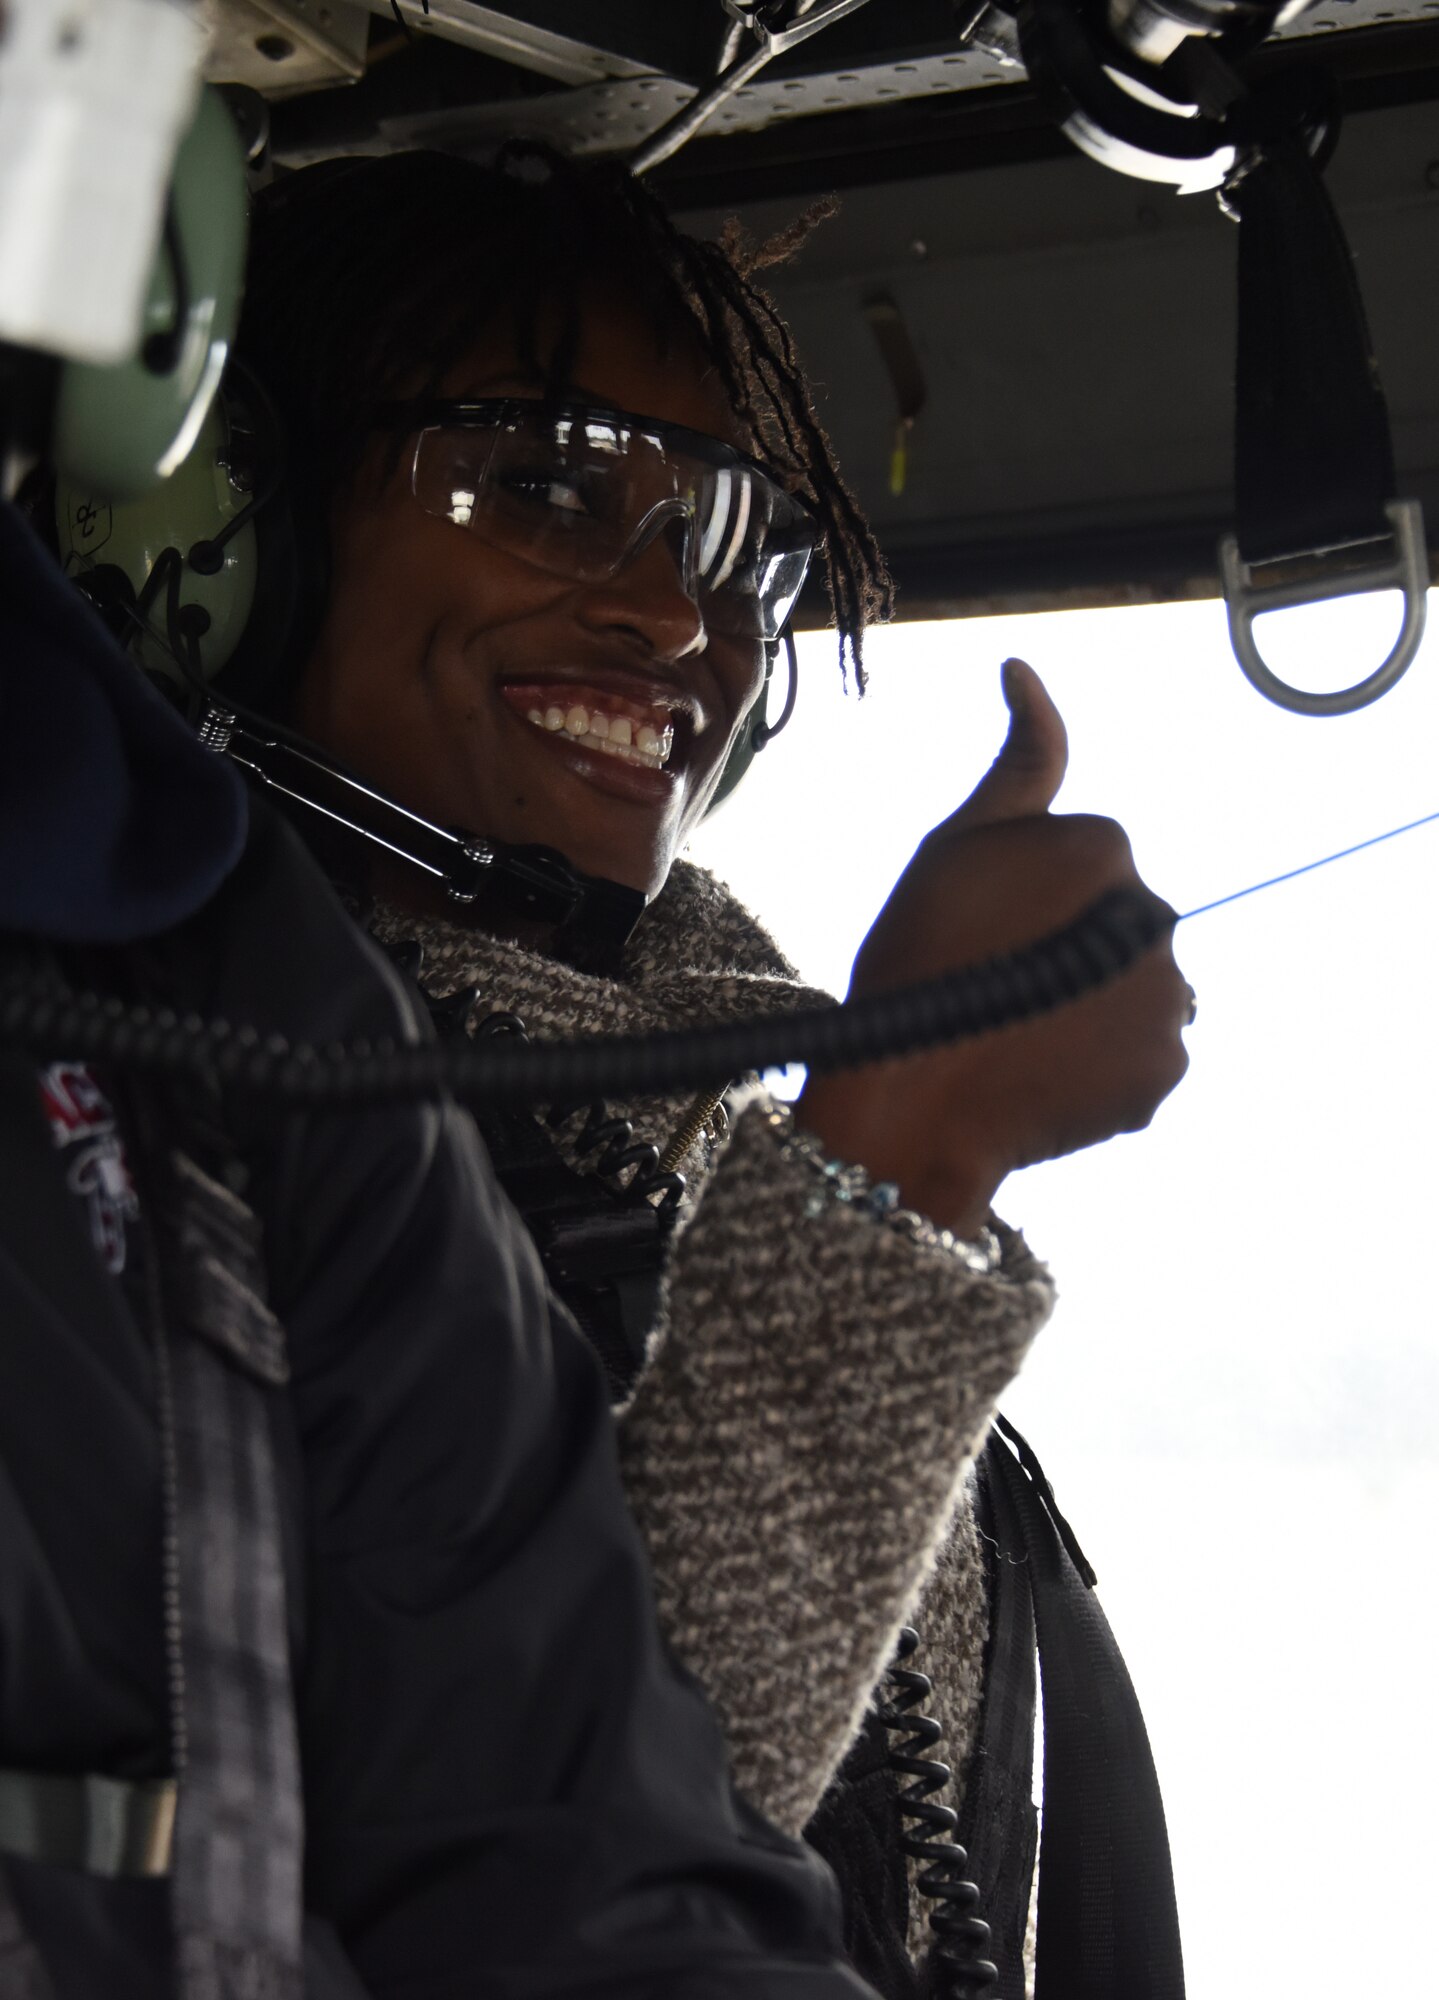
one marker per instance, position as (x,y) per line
(1193,1005)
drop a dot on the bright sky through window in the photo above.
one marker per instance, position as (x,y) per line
(1238,1397)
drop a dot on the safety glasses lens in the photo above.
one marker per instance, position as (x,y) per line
(754,548)
(581,494)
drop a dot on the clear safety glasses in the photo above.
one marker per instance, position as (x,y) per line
(580,492)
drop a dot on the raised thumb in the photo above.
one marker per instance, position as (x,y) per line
(1030,767)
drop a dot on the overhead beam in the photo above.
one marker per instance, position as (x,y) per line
(996,125)
(572,41)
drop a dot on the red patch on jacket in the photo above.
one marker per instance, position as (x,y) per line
(83,1125)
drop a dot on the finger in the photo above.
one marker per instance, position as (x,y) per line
(1030,767)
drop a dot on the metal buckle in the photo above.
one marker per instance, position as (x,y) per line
(1406,570)
(107,1826)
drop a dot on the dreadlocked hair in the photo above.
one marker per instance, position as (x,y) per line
(369,278)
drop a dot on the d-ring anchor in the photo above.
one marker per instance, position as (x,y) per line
(1407,570)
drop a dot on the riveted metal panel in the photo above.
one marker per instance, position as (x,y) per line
(283,47)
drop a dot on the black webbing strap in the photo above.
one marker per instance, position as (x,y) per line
(22,1972)
(1108,1925)
(237,1868)
(1313,462)
(998,1824)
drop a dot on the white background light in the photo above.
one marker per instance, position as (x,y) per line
(1238,1397)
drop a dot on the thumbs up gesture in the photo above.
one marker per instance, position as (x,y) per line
(1001,871)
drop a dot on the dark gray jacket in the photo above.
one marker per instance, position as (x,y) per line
(509,1789)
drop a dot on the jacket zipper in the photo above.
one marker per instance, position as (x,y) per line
(707,1112)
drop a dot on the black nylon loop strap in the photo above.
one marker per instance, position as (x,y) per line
(1313,462)
(1108,1925)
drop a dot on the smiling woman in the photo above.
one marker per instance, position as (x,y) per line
(595,639)
(542,599)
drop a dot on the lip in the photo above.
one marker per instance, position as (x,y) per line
(637,784)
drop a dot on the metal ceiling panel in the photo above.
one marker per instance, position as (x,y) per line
(523,40)
(616,102)
(616,116)
(1075,332)
(285,47)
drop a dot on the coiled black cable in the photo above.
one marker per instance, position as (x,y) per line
(1108,937)
(961,1936)
(630,1165)
(612,1139)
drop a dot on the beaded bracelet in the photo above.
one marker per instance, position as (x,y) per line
(852,1187)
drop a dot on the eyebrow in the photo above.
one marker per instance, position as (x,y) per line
(505,384)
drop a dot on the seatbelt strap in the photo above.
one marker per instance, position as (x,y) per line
(1108,1924)
(235,1854)
(237,1865)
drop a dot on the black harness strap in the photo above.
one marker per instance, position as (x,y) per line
(237,1871)
(998,1821)
(1108,1924)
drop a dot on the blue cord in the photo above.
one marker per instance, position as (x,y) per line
(1323,862)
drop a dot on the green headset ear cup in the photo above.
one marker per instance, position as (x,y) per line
(291,587)
(189,510)
(262,590)
(121,429)
(742,755)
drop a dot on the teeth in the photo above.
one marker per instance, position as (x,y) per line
(654,761)
(615,735)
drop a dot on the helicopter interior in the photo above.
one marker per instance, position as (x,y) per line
(1027,362)
(1024,324)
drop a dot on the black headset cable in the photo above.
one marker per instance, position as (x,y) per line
(1100,944)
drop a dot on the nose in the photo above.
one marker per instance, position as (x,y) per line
(651,595)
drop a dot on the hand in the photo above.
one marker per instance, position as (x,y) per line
(1002,871)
